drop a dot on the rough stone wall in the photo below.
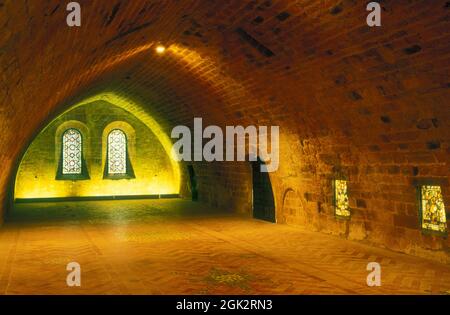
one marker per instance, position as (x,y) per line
(36,177)
(367,103)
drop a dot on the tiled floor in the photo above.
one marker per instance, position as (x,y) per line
(173,247)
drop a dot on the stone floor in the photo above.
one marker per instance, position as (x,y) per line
(174,247)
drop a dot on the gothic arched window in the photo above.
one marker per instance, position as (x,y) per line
(72,152)
(117,152)
(71,165)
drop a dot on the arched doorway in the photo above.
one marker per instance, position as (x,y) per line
(193,182)
(263,201)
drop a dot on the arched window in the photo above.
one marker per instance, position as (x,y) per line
(72,152)
(117,152)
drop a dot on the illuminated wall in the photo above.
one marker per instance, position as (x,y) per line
(153,168)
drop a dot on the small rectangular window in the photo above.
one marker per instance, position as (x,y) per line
(432,209)
(341,204)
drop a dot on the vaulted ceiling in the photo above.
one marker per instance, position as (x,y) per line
(337,88)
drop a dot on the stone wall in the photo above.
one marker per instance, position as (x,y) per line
(37,174)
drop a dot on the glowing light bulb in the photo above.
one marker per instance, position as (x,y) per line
(160,49)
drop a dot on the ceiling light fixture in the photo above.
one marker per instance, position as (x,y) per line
(160,49)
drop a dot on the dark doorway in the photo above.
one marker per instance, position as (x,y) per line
(193,182)
(263,202)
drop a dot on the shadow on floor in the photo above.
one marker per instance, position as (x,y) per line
(112,211)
